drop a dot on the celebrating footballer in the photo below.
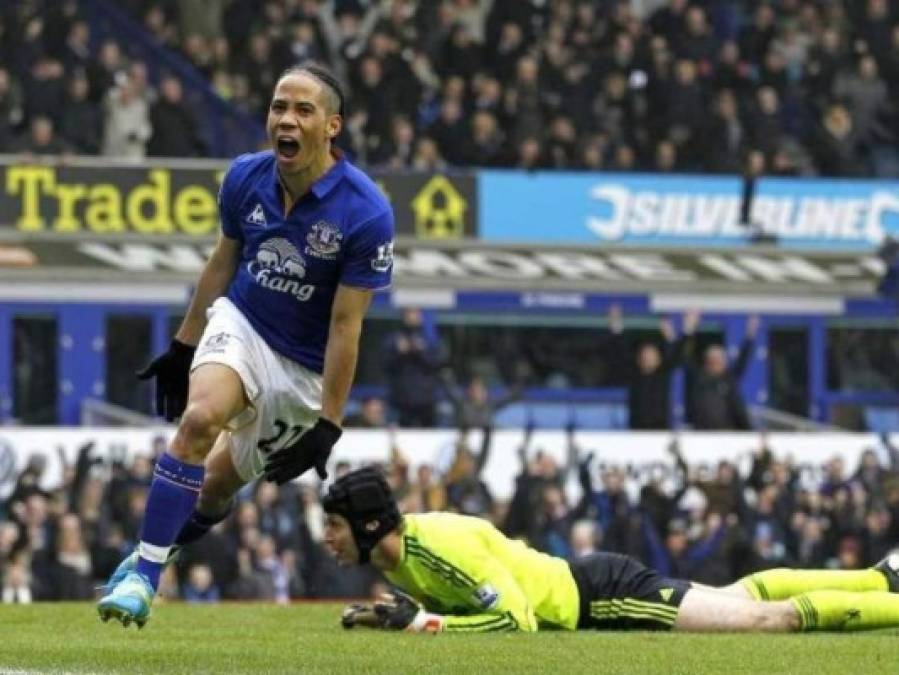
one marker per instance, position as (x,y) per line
(260,369)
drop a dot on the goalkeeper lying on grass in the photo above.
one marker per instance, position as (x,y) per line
(460,574)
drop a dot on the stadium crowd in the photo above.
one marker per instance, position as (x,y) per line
(803,86)
(422,376)
(711,524)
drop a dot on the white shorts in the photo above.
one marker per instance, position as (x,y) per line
(285,398)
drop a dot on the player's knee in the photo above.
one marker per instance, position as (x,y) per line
(200,426)
(791,619)
(776,617)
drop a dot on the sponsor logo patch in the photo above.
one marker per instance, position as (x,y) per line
(218,340)
(257,216)
(215,344)
(323,241)
(486,596)
(384,259)
(279,255)
(279,267)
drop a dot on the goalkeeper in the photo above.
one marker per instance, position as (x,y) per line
(460,574)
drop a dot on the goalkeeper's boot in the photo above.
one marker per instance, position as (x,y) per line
(890,568)
(129,564)
(129,601)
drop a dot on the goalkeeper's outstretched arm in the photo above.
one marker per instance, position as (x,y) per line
(399,611)
(497,602)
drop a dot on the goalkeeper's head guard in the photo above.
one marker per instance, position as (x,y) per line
(364,499)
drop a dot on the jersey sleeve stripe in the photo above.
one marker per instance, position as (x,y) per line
(414,546)
(498,620)
(503,622)
(441,571)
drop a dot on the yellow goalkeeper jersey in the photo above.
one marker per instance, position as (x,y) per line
(479,579)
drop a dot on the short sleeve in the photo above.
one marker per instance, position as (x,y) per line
(227,202)
(368,257)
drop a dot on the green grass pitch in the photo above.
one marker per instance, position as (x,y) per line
(307,638)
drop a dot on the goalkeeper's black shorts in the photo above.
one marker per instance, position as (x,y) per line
(619,593)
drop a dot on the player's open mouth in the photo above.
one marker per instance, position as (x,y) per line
(288,147)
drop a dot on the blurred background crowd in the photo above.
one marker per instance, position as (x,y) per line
(427,387)
(712,524)
(804,87)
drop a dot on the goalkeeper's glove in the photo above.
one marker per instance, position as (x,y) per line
(359,615)
(398,611)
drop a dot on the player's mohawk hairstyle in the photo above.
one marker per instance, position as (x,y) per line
(323,75)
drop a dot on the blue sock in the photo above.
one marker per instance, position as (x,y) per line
(171,500)
(198,524)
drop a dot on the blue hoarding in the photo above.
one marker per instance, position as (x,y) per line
(684,210)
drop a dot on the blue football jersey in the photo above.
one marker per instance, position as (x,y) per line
(339,232)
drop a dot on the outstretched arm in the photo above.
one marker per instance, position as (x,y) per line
(313,448)
(617,346)
(171,370)
(526,443)
(484,453)
(572,457)
(347,312)
(677,348)
(214,280)
(504,606)
(683,470)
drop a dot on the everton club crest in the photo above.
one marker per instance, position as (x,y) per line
(323,240)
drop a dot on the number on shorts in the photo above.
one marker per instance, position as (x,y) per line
(288,434)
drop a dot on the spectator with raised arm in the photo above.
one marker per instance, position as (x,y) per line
(717,403)
(466,491)
(610,506)
(657,501)
(476,408)
(649,369)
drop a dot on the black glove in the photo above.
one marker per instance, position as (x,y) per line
(359,615)
(172,373)
(312,449)
(396,610)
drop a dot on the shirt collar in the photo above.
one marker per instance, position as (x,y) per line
(326,182)
(332,176)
